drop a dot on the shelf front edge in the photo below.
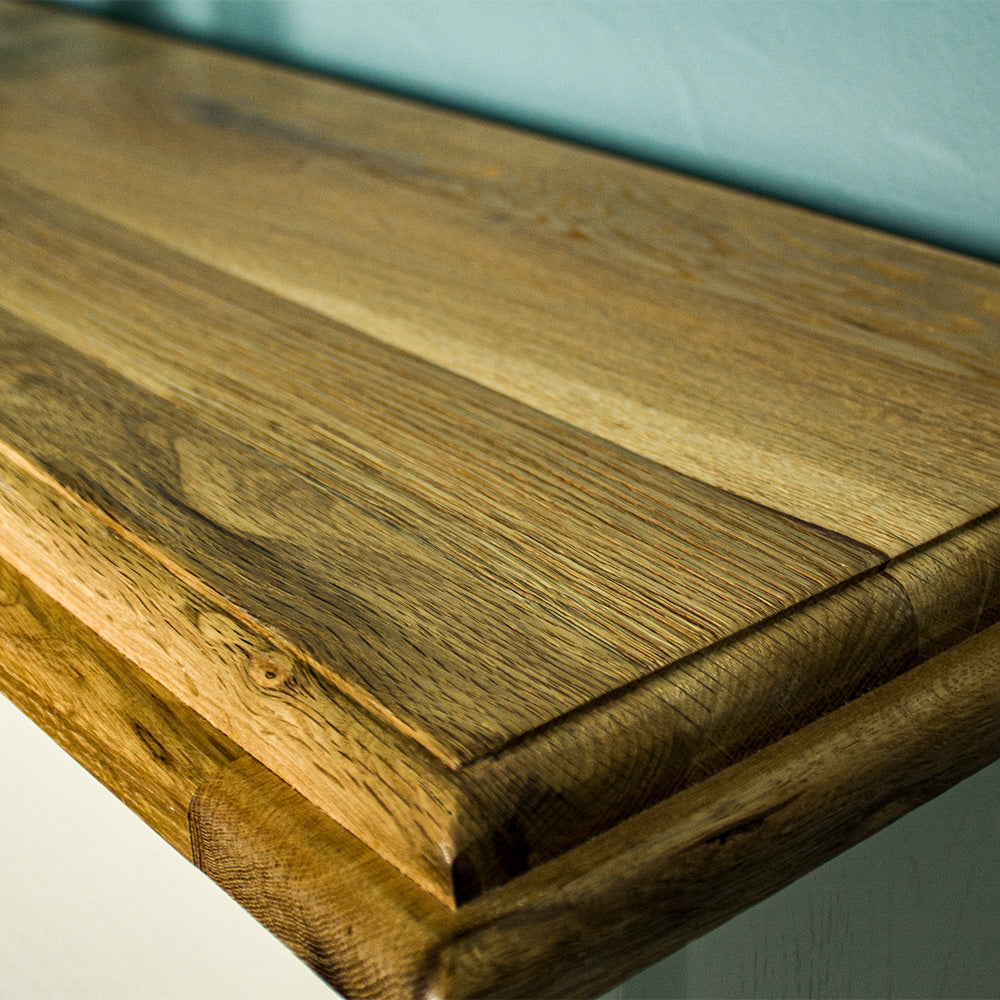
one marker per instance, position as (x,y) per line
(577,924)
(459,832)
(604,910)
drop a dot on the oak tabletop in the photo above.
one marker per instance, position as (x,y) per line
(485,488)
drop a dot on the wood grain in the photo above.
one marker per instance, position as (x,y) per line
(252,689)
(457,832)
(372,933)
(953,584)
(375,494)
(485,488)
(128,731)
(678,726)
(463,569)
(842,376)
(604,910)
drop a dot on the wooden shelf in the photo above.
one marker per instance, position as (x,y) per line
(479,533)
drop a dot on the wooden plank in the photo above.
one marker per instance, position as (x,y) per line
(486,488)
(573,926)
(458,569)
(842,376)
(390,495)
(953,585)
(131,733)
(604,910)
(214,661)
(489,491)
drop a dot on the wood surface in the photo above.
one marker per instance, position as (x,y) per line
(375,495)
(573,926)
(485,488)
(953,585)
(835,373)
(212,504)
(131,733)
(602,911)
(209,658)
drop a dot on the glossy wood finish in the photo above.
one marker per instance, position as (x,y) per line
(485,489)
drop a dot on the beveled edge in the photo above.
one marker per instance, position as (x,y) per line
(604,910)
(473,840)
(860,635)
(457,831)
(599,912)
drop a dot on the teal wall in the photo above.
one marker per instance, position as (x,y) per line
(886,112)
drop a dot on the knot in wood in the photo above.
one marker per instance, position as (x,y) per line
(271,668)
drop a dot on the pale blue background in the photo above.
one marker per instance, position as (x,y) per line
(887,112)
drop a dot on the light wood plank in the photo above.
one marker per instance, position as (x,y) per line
(461,569)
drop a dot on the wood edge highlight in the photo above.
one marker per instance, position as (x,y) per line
(150,750)
(915,607)
(606,909)
(953,584)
